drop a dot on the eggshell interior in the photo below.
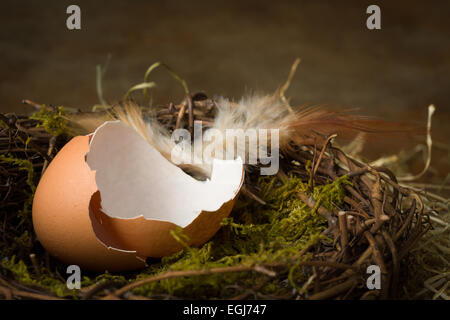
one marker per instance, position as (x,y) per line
(142,196)
(135,180)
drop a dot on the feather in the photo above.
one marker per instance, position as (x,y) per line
(158,137)
(298,126)
(85,122)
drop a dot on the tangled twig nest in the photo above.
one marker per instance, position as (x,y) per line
(377,222)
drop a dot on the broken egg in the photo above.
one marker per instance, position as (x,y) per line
(110,200)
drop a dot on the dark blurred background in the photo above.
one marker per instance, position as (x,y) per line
(232,47)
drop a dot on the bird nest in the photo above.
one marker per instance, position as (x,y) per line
(310,232)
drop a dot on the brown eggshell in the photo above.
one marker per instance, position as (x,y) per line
(142,196)
(61,213)
(152,238)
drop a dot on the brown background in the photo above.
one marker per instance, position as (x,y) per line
(229,48)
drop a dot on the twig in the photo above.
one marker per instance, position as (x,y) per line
(190,273)
(35,265)
(331,292)
(180,116)
(252,195)
(286,85)
(342,216)
(431,110)
(323,151)
(49,153)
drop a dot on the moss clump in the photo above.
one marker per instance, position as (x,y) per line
(46,281)
(254,234)
(331,194)
(23,165)
(52,120)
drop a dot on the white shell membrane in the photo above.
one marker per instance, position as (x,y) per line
(135,180)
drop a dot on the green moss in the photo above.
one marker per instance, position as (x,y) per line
(23,165)
(331,194)
(52,120)
(24,241)
(253,234)
(46,281)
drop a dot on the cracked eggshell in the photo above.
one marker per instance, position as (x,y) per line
(61,213)
(152,238)
(142,196)
(109,201)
